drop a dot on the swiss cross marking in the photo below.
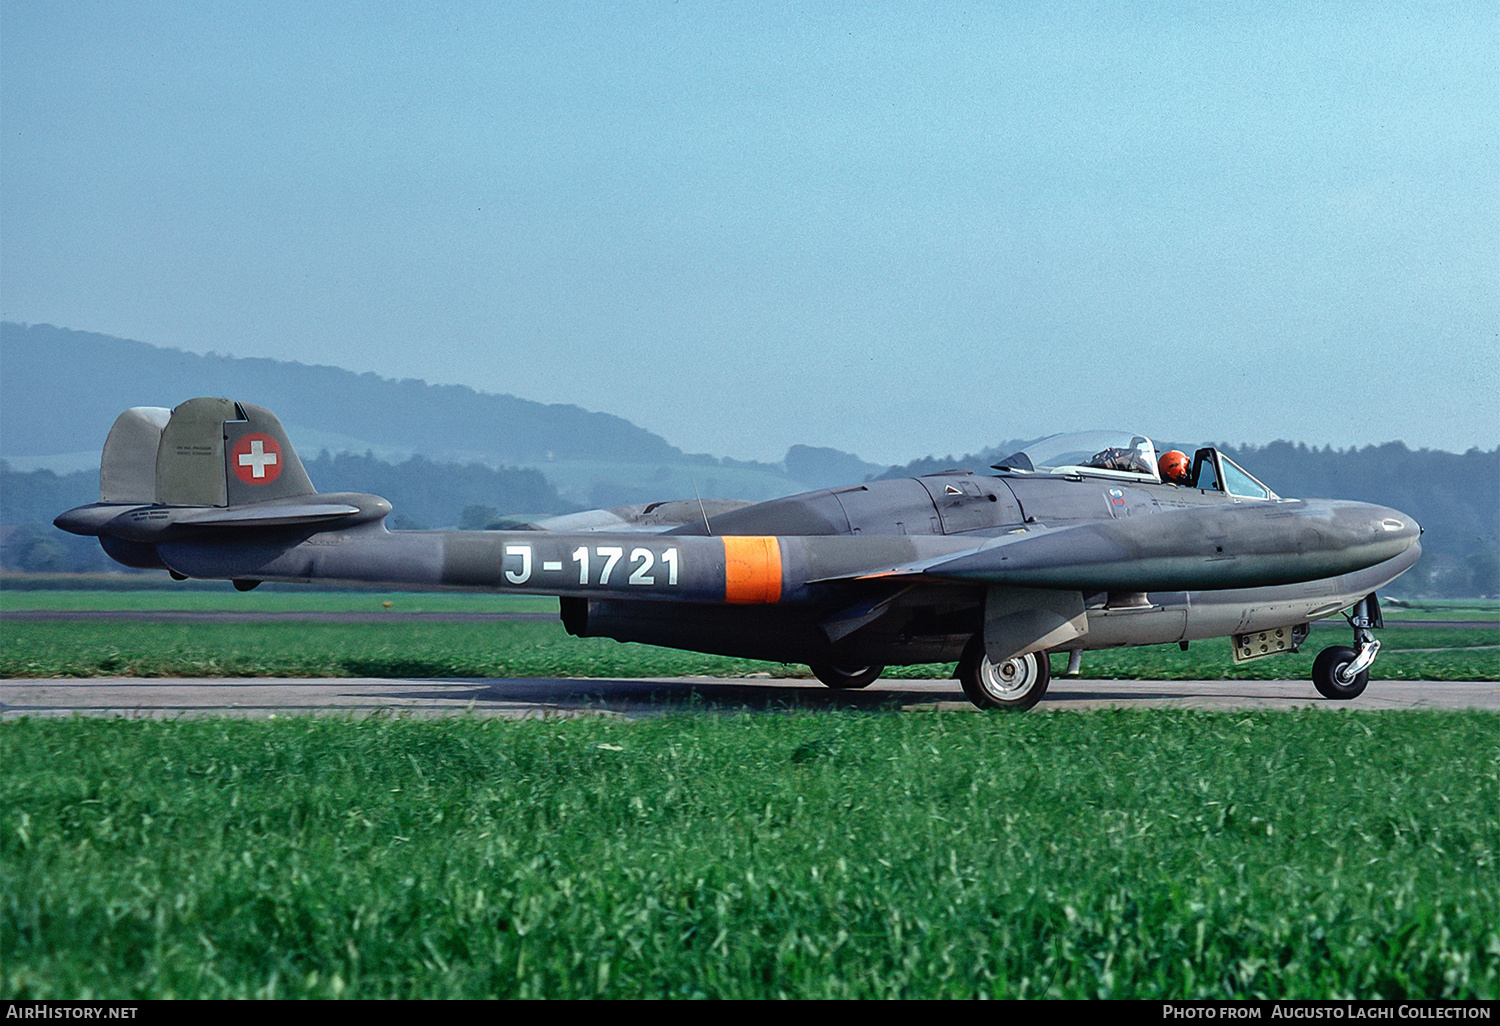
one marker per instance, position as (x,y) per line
(256,459)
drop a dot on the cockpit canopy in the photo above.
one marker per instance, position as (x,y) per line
(1092,453)
(1120,455)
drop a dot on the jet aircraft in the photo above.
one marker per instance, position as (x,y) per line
(1077,542)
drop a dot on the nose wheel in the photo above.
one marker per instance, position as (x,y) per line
(1340,672)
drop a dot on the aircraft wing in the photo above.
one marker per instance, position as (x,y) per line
(650,518)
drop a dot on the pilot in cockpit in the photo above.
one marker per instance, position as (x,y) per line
(1175,467)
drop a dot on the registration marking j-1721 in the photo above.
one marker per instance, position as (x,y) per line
(599,566)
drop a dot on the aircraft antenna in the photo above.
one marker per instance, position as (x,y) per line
(710,530)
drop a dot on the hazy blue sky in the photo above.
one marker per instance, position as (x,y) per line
(893,229)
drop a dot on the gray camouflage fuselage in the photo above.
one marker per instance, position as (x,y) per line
(885,572)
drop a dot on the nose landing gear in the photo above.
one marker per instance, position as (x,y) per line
(1341,672)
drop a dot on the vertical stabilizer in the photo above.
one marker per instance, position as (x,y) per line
(216,452)
(127,470)
(190,461)
(260,463)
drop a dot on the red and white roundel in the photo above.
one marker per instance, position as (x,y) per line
(256,459)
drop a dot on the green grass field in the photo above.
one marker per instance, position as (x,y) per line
(1118,854)
(1298,854)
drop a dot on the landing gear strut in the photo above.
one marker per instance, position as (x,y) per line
(1341,672)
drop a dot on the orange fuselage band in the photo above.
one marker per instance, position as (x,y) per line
(752,569)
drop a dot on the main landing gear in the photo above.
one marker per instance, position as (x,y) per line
(843,678)
(1015,684)
(1341,672)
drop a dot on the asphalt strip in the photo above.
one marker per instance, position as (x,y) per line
(265,698)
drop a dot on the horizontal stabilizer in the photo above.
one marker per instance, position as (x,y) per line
(265,515)
(91,520)
(154,523)
(162,523)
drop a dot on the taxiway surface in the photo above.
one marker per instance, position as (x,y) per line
(170,698)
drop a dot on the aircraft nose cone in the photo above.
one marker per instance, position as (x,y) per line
(1396,524)
(1364,531)
(1389,530)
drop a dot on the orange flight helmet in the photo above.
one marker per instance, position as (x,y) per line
(1174,466)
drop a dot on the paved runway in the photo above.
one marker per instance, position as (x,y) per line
(169,698)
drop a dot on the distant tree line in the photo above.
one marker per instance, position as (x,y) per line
(426,493)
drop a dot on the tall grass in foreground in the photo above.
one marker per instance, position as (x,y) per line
(1104,854)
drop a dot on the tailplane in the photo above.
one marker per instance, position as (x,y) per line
(206,465)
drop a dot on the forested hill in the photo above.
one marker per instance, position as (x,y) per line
(60,391)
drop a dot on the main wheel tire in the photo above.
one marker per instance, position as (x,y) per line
(845,678)
(1016,684)
(1325,674)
